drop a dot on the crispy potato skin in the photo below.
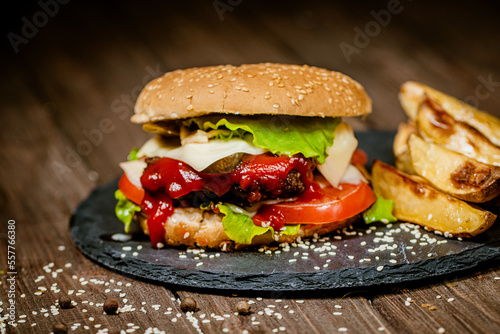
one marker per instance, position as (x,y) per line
(415,200)
(413,93)
(400,147)
(452,151)
(435,124)
(454,173)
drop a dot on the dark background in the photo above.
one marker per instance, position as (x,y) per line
(108,45)
(68,92)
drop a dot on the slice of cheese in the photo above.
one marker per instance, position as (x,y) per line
(134,170)
(339,154)
(352,175)
(197,155)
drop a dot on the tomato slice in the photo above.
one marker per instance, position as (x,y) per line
(130,191)
(329,204)
(359,157)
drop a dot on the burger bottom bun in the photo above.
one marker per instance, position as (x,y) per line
(194,227)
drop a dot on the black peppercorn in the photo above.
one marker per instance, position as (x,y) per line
(188,304)
(110,306)
(64,302)
(59,328)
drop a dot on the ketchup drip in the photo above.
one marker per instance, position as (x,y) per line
(158,207)
(165,179)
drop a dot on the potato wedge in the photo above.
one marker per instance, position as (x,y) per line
(436,124)
(454,173)
(400,147)
(416,201)
(413,93)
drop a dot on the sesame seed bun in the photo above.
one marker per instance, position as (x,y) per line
(249,90)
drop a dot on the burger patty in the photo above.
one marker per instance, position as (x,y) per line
(292,186)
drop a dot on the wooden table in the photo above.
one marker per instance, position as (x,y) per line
(67,95)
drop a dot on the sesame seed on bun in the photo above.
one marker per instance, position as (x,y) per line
(249,90)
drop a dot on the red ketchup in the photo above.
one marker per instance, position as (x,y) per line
(163,180)
(167,179)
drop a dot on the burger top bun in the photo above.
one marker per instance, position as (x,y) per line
(251,89)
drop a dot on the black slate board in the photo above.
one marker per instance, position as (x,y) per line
(363,256)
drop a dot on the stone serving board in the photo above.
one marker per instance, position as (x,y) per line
(363,256)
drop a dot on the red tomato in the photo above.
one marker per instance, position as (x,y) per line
(359,157)
(330,204)
(130,190)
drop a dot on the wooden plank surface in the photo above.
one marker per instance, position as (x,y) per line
(81,73)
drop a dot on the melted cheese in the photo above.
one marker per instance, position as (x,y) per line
(197,155)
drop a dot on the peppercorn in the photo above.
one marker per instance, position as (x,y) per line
(243,308)
(64,302)
(59,328)
(188,304)
(110,306)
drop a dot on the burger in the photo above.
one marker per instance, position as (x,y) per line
(244,156)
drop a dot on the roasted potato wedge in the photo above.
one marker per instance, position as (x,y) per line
(417,201)
(413,93)
(454,173)
(436,124)
(400,147)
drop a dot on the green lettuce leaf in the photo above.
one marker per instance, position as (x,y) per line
(133,154)
(125,210)
(291,230)
(280,134)
(240,228)
(380,211)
